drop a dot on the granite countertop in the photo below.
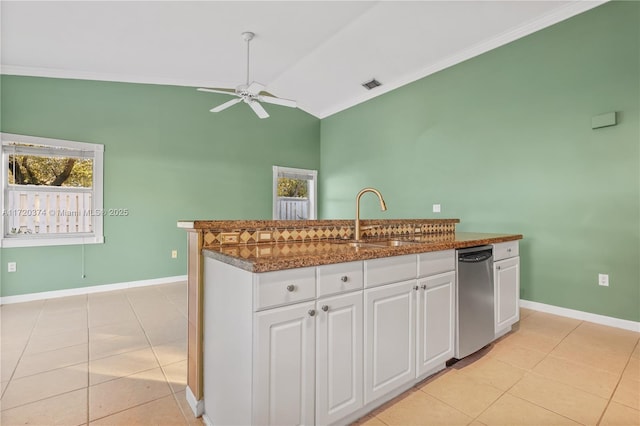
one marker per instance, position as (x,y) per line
(266,257)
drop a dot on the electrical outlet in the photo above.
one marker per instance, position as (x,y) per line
(174,254)
(11,266)
(436,208)
(603,279)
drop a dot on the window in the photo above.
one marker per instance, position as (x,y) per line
(52,192)
(294,193)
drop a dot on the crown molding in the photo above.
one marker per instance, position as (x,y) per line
(572,9)
(559,15)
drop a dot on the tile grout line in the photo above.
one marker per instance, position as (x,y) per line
(164,374)
(613,393)
(149,342)
(571,386)
(530,371)
(175,397)
(25,346)
(128,408)
(457,409)
(23,349)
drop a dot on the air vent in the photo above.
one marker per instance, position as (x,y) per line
(372,84)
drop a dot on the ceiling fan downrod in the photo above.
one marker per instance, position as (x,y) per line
(248,36)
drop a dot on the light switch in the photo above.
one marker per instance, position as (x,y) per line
(11,267)
(436,208)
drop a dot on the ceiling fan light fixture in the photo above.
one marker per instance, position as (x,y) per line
(371,84)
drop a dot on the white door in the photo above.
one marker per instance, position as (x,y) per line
(338,357)
(389,338)
(284,369)
(507,293)
(435,342)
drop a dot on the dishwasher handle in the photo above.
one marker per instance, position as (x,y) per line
(476,256)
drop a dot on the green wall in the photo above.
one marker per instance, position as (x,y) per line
(504,142)
(166,158)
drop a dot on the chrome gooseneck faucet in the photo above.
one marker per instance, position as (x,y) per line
(383,207)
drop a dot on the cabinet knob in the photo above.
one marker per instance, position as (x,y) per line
(291,287)
(498,268)
(325,308)
(508,250)
(312,312)
(416,288)
(424,286)
(344,278)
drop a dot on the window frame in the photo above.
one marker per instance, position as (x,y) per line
(35,240)
(312,189)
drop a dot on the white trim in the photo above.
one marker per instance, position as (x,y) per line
(573,8)
(89,290)
(196,406)
(584,316)
(95,237)
(37,140)
(206,420)
(312,189)
(61,240)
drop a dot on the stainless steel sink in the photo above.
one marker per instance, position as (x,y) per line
(378,243)
(393,243)
(362,244)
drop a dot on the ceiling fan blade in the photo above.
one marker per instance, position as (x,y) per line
(277,101)
(258,109)
(225,105)
(255,87)
(223,91)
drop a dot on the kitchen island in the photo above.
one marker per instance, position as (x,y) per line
(294,322)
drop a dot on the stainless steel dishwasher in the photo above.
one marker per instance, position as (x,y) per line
(475,325)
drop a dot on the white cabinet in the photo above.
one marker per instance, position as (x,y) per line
(387,270)
(339,354)
(322,345)
(409,325)
(389,341)
(436,322)
(284,376)
(506,282)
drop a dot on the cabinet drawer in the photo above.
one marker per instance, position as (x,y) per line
(339,278)
(505,250)
(284,287)
(389,270)
(436,262)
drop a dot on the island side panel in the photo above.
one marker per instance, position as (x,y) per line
(194,306)
(228,342)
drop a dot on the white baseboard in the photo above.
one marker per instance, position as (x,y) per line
(584,316)
(196,406)
(206,420)
(88,290)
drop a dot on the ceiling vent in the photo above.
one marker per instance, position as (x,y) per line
(372,84)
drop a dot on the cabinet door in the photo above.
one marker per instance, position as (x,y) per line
(507,293)
(436,321)
(389,338)
(338,357)
(284,365)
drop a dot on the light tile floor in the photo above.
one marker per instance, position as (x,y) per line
(119,358)
(550,370)
(116,358)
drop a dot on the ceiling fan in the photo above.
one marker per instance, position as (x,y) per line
(249,93)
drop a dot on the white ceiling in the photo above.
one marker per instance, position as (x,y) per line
(317,53)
